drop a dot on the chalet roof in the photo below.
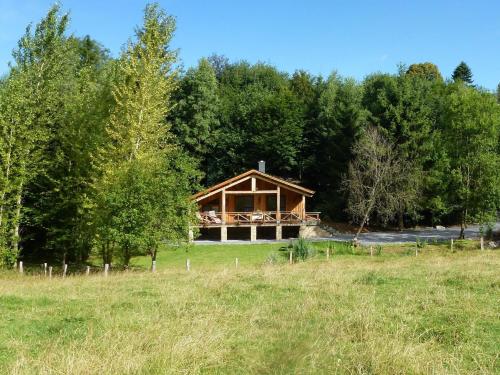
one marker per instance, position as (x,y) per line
(253,172)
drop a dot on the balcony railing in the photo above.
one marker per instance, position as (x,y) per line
(257,217)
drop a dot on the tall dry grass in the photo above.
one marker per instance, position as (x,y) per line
(431,314)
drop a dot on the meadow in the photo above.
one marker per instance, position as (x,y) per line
(393,313)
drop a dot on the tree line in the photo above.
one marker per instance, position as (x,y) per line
(99,155)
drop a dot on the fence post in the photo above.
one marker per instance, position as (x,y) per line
(416,250)
(188,265)
(371,250)
(482,243)
(291,257)
(106,269)
(328,252)
(451,244)
(45,269)
(87,271)
(153,266)
(50,272)
(21,269)
(236,262)
(65,269)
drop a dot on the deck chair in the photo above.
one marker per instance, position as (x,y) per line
(257,216)
(213,217)
(202,219)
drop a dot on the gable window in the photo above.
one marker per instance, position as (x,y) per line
(244,203)
(271,203)
(211,206)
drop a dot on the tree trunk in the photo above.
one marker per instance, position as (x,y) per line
(462,227)
(367,214)
(16,220)
(362,224)
(401,222)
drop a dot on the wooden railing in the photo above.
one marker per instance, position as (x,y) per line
(257,217)
(313,216)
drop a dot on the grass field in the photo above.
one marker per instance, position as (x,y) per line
(437,313)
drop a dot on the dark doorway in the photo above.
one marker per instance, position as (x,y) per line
(290,231)
(266,233)
(209,234)
(238,233)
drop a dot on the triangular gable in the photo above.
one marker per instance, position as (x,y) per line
(245,176)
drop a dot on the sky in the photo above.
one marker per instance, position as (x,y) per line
(354,38)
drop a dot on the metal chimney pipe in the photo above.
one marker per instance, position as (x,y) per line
(262,166)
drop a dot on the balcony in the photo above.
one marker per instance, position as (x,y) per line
(212,218)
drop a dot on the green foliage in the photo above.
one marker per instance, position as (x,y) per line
(195,115)
(260,119)
(340,120)
(470,136)
(142,197)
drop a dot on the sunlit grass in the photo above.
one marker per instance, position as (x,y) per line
(395,313)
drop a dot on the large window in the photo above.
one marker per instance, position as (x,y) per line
(271,203)
(244,203)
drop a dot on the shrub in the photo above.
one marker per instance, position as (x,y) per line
(420,243)
(301,249)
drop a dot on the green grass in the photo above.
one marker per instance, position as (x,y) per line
(436,313)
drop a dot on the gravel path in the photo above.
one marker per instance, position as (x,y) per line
(385,237)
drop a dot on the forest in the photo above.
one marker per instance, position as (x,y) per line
(100,154)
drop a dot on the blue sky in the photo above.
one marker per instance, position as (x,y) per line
(353,37)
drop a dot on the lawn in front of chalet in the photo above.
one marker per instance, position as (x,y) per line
(395,313)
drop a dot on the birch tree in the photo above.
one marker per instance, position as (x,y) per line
(141,198)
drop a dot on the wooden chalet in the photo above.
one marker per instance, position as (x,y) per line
(254,205)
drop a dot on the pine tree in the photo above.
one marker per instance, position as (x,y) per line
(463,73)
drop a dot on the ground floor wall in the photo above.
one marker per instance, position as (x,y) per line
(251,232)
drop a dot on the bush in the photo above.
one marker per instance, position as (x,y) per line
(301,249)
(420,243)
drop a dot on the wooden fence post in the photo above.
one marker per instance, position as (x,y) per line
(482,243)
(416,250)
(188,265)
(236,262)
(451,244)
(153,266)
(50,272)
(328,252)
(65,269)
(371,250)
(45,269)
(106,269)
(87,271)
(291,258)
(21,268)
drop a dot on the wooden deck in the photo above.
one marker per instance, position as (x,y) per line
(209,219)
